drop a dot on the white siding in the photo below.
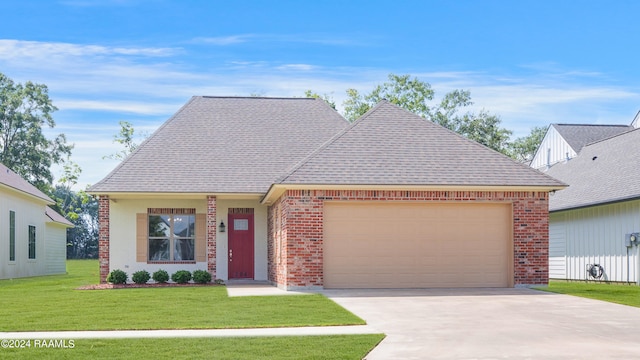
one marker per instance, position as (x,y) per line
(557,246)
(56,248)
(28,212)
(596,235)
(553,149)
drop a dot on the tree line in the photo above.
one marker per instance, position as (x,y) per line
(25,109)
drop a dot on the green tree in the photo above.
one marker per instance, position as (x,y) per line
(328,99)
(124,137)
(417,96)
(524,148)
(24,110)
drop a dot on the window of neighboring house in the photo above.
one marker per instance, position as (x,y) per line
(32,242)
(172,237)
(12,236)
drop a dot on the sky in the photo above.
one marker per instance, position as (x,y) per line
(532,63)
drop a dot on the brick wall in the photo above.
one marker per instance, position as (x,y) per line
(212,227)
(103,237)
(302,230)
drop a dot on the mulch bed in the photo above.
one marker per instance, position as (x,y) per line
(135,286)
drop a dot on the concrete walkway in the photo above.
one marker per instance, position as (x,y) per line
(130,334)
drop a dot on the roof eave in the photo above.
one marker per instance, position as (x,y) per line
(276,190)
(47,200)
(175,195)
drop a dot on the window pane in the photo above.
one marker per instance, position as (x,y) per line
(159,226)
(159,249)
(183,249)
(240,224)
(183,225)
(32,242)
(12,236)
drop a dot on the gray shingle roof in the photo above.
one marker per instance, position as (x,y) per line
(391,146)
(605,171)
(56,217)
(225,145)
(579,135)
(15,181)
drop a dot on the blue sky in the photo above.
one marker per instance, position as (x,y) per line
(530,62)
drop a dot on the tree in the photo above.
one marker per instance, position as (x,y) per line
(328,99)
(417,97)
(24,110)
(524,148)
(124,137)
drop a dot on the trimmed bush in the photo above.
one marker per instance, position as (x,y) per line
(219,281)
(201,276)
(117,277)
(181,276)
(140,277)
(160,276)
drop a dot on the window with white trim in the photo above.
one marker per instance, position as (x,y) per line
(12,236)
(32,242)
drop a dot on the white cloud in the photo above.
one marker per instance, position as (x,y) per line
(19,49)
(140,107)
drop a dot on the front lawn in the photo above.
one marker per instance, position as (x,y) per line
(617,293)
(286,347)
(51,303)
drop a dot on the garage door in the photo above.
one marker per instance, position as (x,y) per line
(412,245)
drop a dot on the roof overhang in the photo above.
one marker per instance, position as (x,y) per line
(276,190)
(25,194)
(115,195)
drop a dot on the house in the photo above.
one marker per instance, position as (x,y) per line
(285,190)
(33,237)
(590,220)
(563,142)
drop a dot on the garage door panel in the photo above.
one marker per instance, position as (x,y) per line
(417,245)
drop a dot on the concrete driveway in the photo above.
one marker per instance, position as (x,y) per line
(493,324)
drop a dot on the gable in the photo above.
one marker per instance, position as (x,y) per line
(225,145)
(605,171)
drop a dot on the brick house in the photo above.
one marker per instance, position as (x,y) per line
(286,190)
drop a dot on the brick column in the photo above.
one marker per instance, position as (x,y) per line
(103,237)
(211,235)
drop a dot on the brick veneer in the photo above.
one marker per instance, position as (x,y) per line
(211,235)
(103,237)
(301,230)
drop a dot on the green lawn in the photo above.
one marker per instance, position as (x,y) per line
(50,303)
(616,293)
(301,347)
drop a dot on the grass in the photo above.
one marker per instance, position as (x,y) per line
(615,293)
(50,303)
(302,347)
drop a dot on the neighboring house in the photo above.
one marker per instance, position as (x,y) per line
(33,237)
(286,190)
(563,142)
(591,218)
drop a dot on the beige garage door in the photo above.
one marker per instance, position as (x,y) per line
(417,245)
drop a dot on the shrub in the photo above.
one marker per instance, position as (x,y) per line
(181,276)
(201,276)
(160,276)
(117,277)
(140,277)
(219,281)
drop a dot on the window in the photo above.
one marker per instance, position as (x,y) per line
(32,242)
(12,236)
(172,237)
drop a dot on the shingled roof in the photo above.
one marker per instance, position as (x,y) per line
(579,135)
(392,146)
(225,145)
(604,172)
(14,181)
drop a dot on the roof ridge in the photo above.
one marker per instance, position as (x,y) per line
(599,125)
(258,97)
(609,138)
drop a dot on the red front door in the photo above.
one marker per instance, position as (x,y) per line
(241,246)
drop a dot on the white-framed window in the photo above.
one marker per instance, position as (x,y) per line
(171,237)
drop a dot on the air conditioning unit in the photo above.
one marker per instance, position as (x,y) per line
(632,239)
